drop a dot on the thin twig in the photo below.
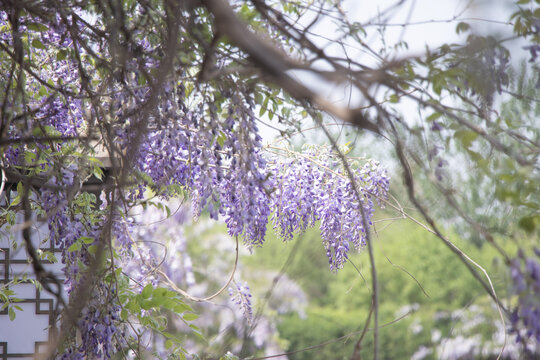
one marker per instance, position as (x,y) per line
(208,298)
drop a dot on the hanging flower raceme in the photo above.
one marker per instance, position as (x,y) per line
(525,272)
(313,186)
(241,296)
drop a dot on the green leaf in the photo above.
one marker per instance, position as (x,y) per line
(147,291)
(87,240)
(76,246)
(162,292)
(258,98)
(133,307)
(12,314)
(29,157)
(96,161)
(37,27)
(528,223)
(147,304)
(16,201)
(433,117)
(38,44)
(221,139)
(123,314)
(61,55)
(42,91)
(180,308)
(162,301)
(197,332)
(466,137)
(190,316)
(462,27)
(167,334)
(97,172)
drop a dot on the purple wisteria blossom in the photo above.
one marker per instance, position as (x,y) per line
(220,162)
(241,296)
(73,231)
(525,318)
(314,187)
(205,148)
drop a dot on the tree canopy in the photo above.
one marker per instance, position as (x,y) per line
(112,108)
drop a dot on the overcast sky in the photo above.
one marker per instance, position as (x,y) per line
(431,23)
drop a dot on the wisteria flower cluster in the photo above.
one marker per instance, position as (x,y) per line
(74,230)
(241,296)
(220,161)
(74,226)
(191,143)
(525,272)
(314,186)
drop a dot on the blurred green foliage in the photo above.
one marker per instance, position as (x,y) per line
(410,261)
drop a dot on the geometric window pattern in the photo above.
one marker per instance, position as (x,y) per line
(28,335)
